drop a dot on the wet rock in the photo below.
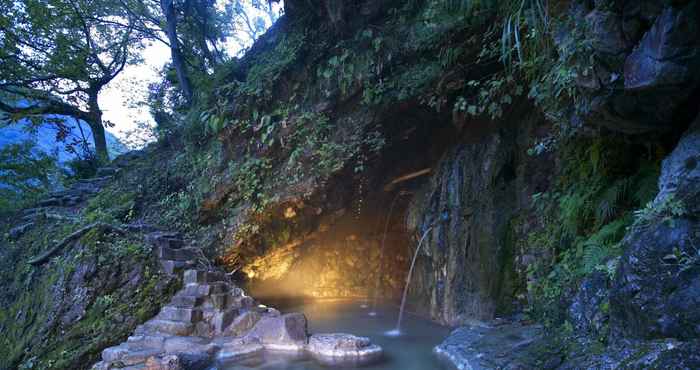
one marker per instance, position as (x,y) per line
(190,345)
(589,310)
(286,332)
(476,347)
(242,324)
(646,66)
(605,30)
(673,356)
(232,350)
(342,347)
(164,363)
(680,171)
(669,53)
(656,291)
(655,295)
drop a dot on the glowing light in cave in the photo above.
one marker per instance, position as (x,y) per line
(290,212)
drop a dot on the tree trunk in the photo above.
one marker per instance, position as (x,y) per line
(168,9)
(97,128)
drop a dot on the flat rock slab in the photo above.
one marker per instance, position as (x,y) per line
(237,349)
(342,348)
(476,347)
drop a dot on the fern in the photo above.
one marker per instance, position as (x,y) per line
(611,199)
(594,256)
(646,184)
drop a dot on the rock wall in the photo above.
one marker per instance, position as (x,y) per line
(656,290)
(478,204)
(646,70)
(332,264)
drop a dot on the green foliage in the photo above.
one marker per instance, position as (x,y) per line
(25,175)
(249,178)
(268,67)
(600,183)
(113,205)
(660,211)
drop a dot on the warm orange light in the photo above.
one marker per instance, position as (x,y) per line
(290,212)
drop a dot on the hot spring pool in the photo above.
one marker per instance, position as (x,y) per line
(412,350)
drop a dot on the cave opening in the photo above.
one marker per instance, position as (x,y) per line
(360,246)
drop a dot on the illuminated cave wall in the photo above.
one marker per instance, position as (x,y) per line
(338,261)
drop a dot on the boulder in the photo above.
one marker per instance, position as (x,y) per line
(680,171)
(656,291)
(645,66)
(484,346)
(669,53)
(286,332)
(243,323)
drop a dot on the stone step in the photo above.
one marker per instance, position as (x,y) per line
(183,254)
(126,356)
(201,277)
(221,301)
(186,301)
(146,341)
(174,313)
(168,327)
(173,267)
(165,239)
(206,289)
(222,319)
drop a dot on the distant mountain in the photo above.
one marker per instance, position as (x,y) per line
(44,137)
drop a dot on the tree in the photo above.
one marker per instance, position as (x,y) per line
(251,18)
(57,55)
(194,30)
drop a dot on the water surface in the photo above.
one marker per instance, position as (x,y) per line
(412,350)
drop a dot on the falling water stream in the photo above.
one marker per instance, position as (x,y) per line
(397,331)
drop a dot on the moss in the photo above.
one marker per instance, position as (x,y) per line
(33,335)
(111,205)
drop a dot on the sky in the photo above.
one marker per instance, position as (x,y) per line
(131,86)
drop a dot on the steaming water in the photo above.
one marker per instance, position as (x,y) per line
(412,350)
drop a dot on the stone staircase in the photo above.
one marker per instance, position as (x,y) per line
(211,320)
(202,310)
(63,204)
(174,255)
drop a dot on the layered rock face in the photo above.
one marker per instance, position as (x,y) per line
(468,267)
(648,66)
